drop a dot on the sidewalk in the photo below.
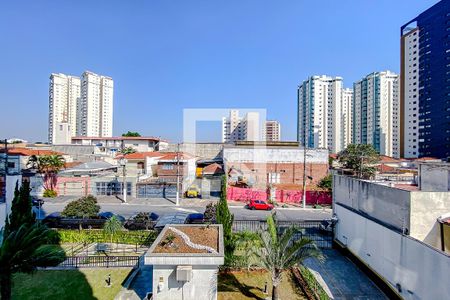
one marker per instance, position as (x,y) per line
(342,279)
(194,202)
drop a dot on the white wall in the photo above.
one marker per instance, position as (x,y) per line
(202,286)
(422,271)
(426,208)
(263,155)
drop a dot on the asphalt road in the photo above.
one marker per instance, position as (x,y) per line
(240,213)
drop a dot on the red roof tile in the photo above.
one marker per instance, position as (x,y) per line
(30,152)
(388,159)
(212,169)
(426,159)
(173,156)
(141,155)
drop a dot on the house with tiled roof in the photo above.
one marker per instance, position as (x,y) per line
(213,170)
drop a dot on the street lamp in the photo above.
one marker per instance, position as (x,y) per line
(123,162)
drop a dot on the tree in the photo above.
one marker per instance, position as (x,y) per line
(112,226)
(131,134)
(49,166)
(24,250)
(127,150)
(224,217)
(83,208)
(279,252)
(326,183)
(21,209)
(360,158)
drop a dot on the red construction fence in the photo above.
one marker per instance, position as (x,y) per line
(288,196)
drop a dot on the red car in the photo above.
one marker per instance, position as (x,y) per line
(260,205)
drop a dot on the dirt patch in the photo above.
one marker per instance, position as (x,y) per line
(173,243)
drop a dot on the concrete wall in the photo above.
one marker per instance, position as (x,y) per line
(416,211)
(426,207)
(386,204)
(77,152)
(420,270)
(202,286)
(201,150)
(434,177)
(273,154)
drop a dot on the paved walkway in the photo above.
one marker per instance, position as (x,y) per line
(137,287)
(142,283)
(343,278)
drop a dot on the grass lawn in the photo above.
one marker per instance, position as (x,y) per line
(240,285)
(69,284)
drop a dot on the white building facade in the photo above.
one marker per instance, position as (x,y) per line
(237,128)
(64,98)
(80,107)
(96,107)
(323,113)
(376,112)
(409,84)
(347,117)
(272,131)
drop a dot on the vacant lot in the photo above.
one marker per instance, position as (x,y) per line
(69,284)
(242,285)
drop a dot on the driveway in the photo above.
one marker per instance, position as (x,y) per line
(342,278)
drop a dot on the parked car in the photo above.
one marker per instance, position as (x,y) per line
(172,218)
(193,192)
(195,218)
(52,220)
(141,221)
(107,215)
(36,201)
(259,205)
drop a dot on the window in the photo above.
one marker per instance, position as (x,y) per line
(274,178)
(167,166)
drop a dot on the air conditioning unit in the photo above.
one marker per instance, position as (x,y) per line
(184,273)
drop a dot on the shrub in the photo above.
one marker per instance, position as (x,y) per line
(85,207)
(141,237)
(140,221)
(326,183)
(50,194)
(210,213)
(53,237)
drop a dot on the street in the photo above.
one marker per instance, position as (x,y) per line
(240,212)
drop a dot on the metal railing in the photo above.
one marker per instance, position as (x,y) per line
(99,261)
(317,231)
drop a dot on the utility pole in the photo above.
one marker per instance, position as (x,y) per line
(178,175)
(123,163)
(124,185)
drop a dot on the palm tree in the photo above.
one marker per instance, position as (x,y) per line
(24,250)
(49,166)
(112,226)
(279,252)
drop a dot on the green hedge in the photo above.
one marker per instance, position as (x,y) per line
(313,284)
(141,237)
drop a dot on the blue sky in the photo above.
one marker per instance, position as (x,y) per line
(165,56)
